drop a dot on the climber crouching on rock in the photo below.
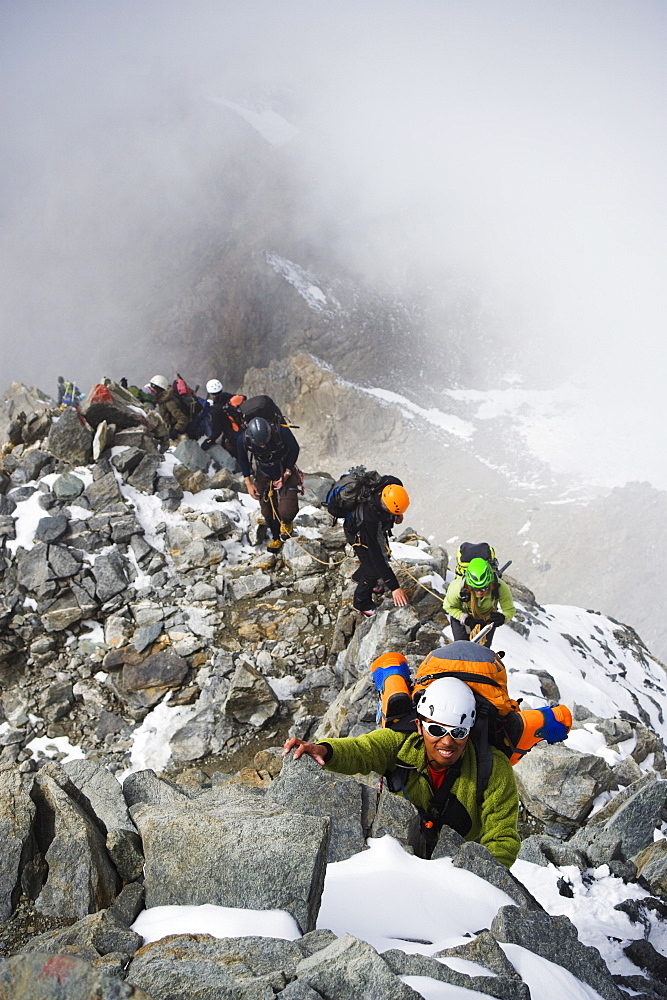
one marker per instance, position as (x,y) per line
(435,769)
(472,600)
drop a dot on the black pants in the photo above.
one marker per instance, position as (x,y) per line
(366,578)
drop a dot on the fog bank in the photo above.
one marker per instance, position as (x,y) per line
(508,157)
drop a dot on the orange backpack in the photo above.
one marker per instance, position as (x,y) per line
(500,721)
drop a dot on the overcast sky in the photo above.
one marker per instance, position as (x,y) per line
(519,145)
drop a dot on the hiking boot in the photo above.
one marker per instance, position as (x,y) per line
(275,545)
(365,614)
(378,590)
(286,529)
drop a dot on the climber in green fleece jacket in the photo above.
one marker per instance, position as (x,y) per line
(436,769)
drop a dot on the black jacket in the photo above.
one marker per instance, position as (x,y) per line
(368,530)
(280,454)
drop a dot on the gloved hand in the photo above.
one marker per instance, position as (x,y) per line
(497,618)
(470,621)
(205,445)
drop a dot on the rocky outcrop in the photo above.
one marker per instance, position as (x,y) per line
(141,600)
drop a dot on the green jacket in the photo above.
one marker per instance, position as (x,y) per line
(455,607)
(494,823)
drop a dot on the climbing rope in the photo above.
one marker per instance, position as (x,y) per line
(402,569)
(312,556)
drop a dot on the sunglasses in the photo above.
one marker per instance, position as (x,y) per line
(435,730)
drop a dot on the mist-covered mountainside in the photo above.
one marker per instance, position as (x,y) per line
(472,475)
(153,658)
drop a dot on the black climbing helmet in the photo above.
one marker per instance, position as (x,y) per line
(259,432)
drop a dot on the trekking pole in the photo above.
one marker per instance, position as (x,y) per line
(502,570)
(482,632)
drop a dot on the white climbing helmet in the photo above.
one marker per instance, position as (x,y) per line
(213,385)
(161,381)
(448,701)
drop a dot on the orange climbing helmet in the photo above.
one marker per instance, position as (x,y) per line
(395,498)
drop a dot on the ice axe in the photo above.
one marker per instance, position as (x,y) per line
(482,632)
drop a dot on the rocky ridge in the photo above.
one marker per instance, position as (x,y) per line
(143,625)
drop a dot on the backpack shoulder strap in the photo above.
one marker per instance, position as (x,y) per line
(480,740)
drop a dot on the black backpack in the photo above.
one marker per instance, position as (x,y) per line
(261,406)
(352,489)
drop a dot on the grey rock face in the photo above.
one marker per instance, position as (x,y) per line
(503,987)
(127,460)
(7,505)
(110,576)
(68,486)
(57,700)
(128,904)
(192,546)
(250,698)
(62,613)
(143,477)
(189,454)
(399,819)
(448,843)
(145,788)
(652,866)
(636,820)
(248,584)
(104,493)
(135,437)
(41,976)
(32,568)
(7,526)
(80,877)
(478,860)
(349,969)
(222,459)
(238,852)
(316,486)
(92,936)
(106,800)
(64,562)
(558,785)
(35,463)
(196,965)
(297,990)
(17,812)
(391,629)
(50,529)
(70,439)
(544,850)
(305,787)
(485,950)
(163,669)
(554,938)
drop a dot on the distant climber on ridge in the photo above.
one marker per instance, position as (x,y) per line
(69,394)
(273,450)
(472,600)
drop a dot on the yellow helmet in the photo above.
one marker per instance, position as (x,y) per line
(395,498)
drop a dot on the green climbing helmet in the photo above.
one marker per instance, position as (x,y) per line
(479,574)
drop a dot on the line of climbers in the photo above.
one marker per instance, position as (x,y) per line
(252,430)
(448,739)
